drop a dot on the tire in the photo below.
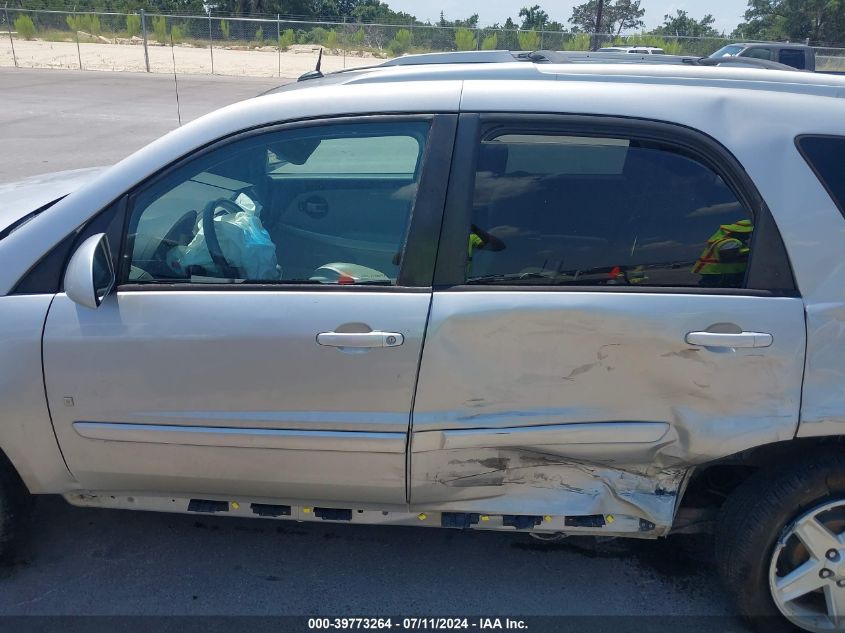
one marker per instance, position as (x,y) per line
(15,509)
(758,514)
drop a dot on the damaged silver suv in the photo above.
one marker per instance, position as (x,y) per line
(560,299)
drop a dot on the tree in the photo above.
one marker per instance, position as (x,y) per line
(682,25)
(507,39)
(626,14)
(533,18)
(528,40)
(400,43)
(818,20)
(25,27)
(286,39)
(616,17)
(160,29)
(133,24)
(464,40)
(471,22)
(377,12)
(490,42)
(583,19)
(331,8)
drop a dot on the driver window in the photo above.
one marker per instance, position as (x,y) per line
(328,204)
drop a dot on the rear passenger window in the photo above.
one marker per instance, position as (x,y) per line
(577,210)
(826,156)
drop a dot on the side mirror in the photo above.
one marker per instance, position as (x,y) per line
(90,273)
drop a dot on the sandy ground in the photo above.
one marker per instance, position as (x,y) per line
(189,60)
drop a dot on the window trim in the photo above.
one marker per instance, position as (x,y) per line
(426,214)
(47,275)
(769,271)
(821,180)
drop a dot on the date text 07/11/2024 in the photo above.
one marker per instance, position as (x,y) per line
(410,624)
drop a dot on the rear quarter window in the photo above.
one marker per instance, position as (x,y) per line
(826,157)
(793,57)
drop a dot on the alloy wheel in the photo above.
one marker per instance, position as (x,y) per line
(807,570)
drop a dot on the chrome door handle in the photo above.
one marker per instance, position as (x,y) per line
(742,339)
(360,339)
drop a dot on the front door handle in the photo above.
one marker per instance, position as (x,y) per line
(360,339)
(717,339)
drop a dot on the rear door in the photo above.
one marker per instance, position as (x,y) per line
(612,304)
(280,361)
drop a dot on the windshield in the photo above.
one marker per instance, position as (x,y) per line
(728,51)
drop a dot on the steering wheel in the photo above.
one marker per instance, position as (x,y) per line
(210,232)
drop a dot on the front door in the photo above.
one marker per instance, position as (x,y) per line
(266,332)
(616,308)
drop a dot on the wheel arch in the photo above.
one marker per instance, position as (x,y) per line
(709,485)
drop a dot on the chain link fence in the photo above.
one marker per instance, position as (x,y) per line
(273,46)
(830,59)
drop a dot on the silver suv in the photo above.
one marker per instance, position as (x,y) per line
(549,298)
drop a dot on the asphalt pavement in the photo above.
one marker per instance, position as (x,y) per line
(52,120)
(107,562)
(113,562)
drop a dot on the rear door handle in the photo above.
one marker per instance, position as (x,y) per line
(360,339)
(742,339)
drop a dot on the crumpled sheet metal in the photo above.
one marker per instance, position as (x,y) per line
(514,481)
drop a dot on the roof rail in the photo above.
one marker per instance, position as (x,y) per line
(604,57)
(554,57)
(741,61)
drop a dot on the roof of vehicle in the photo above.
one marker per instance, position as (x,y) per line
(656,73)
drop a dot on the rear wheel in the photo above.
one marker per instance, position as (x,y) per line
(780,544)
(15,508)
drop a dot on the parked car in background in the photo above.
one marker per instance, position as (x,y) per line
(641,50)
(559,299)
(798,56)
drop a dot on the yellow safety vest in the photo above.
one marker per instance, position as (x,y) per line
(474,242)
(710,263)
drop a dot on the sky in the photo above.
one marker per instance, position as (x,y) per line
(728,13)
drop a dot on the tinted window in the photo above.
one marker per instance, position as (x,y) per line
(328,204)
(381,155)
(758,53)
(826,155)
(566,210)
(792,57)
(727,51)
